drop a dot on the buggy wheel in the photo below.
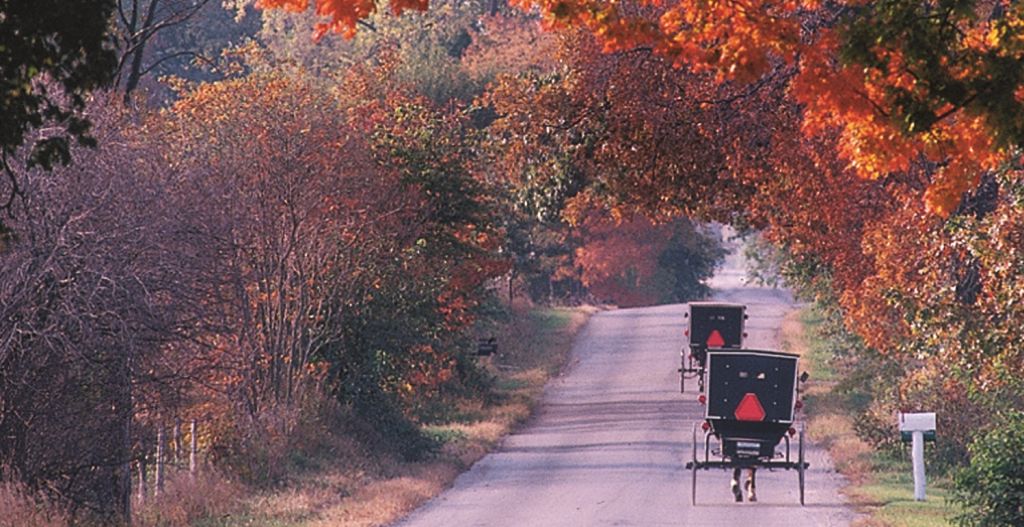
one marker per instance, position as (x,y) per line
(693,469)
(801,467)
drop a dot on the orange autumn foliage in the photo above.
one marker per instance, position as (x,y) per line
(341,16)
(619,259)
(954,105)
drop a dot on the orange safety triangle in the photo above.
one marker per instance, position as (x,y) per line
(749,409)
(715,339)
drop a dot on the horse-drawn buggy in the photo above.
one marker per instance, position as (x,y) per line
(749,417)
(712,325)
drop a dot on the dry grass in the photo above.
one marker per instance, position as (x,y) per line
(383,501)
(21,507)
(850,455)
(368,489)
(827,424)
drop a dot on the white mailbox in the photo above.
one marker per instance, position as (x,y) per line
(917,428)
(917,422)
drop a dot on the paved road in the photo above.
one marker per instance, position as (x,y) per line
(608,444)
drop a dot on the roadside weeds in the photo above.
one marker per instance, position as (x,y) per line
(880,488)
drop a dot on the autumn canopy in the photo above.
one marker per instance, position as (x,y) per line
(904,83)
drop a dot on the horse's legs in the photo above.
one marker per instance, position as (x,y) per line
(735,484)
(751,484)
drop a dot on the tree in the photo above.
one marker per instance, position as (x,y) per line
(426,48)
(139,23)
(183,38)
(52,54)
(354,241)
(992,488)
(99,282)
(301,217)
(454,252)
(637,262)
(602,129)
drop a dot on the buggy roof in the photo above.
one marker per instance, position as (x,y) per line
(715,304)
(773,353)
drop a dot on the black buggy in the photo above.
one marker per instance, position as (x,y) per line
(750,404)
(712,325)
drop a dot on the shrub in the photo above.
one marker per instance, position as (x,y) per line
(264,451)
(254,450)
(187,500)
(991,489)
(392,430)
(286,441)
(21,507)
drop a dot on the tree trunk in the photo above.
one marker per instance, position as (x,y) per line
(138,48)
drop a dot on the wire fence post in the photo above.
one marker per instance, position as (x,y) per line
(159,461)
(177,440)
(193,449)
(142,480)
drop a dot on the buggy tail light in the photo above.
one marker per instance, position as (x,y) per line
(702,399)
(687,333)
(799,404)
(792,431)
(705,426)
(745,334)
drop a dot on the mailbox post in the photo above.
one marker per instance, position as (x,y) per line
(919,426)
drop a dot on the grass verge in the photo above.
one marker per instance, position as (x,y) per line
(881,488)
(366,488)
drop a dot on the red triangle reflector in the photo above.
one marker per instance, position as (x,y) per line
(715,339)
(749,409)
